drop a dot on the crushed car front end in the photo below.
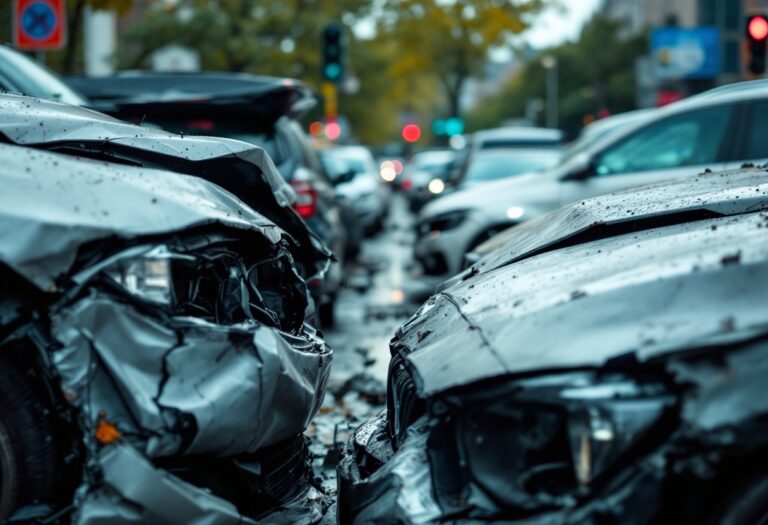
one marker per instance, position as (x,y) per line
(615,380)
(171,346)
(621,444)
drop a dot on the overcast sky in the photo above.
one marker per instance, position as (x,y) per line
(557,25)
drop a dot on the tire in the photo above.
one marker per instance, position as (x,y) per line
(326,314)
(30,466)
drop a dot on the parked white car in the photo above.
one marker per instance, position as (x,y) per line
(719,129)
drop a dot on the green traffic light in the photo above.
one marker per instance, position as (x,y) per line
(332,71)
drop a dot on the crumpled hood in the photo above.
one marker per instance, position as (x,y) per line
(523,190)
(52,204)
(705,195)
(645,293)
(28,120)
(242,168)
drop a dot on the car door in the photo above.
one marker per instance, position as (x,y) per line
(678,145)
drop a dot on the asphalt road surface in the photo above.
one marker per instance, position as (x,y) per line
(381,292)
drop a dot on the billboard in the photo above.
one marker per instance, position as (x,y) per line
(685,53)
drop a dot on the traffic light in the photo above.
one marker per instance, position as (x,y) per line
(757,32)
(333,53)
(411,132)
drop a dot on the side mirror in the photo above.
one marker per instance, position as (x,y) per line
(582,168)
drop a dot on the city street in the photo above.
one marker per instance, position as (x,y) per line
(381,292)
(223,225)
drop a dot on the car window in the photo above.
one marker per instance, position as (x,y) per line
(755,143)
(487,167)
(682,140)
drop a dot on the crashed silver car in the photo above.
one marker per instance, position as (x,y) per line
(607,365)
(242,168)
(155,366)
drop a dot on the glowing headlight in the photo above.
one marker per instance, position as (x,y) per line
(436,186)
(515,212)
(146,277)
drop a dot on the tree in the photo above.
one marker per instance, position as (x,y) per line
(597,72)
(451,40)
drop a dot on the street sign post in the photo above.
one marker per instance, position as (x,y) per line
(39,24)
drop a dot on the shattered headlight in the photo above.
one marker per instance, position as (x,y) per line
(606,421)
(147,277)
(544,442)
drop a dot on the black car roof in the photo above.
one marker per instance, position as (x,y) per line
(262,95)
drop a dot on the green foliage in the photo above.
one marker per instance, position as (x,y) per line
(450,41)
(596,72)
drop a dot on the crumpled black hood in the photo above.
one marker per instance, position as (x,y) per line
(52,204)
(242,168)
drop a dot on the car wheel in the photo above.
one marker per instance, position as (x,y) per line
(326,314)
(29,466)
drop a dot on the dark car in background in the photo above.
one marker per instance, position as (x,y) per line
(356,176)
(423,168)
(605,365)
(155,363)
(259,110)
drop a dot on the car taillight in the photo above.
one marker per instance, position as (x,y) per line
(306,199)
(407,184)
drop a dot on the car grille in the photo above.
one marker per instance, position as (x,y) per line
(403,405)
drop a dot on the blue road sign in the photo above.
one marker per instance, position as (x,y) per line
(38,20)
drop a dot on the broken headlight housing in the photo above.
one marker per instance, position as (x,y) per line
(221,281)
(606,421)
(542,443)
(147,277)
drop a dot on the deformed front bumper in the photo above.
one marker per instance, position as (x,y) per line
(187,394)
(376,485)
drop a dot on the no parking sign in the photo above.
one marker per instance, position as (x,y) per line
(39,24)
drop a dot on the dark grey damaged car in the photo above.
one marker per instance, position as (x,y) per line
(154,362)
(607,365)
(243,169)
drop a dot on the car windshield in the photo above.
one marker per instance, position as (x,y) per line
(32,79)
(434,163)
(500,164)
(338,163)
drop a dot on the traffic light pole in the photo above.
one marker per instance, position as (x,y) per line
(330,101)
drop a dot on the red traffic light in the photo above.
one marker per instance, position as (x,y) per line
(411,132)
(758,28)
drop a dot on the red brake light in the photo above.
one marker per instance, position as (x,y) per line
(306,202)
(407,184)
